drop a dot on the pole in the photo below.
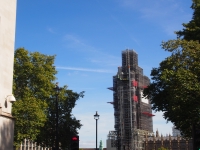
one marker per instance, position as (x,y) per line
(96,117)
(57,144)
(193,137)
(96,134)
(130,145)
(57,89)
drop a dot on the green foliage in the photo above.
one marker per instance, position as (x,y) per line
(34,110)
(175,89)
(26,112)
(191,30)
(67,123)
(32,85)
(162,148)
(33,74)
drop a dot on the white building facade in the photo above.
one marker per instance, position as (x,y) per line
(175,132)
(109,145)
(7,40)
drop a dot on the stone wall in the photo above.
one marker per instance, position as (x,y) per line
(6,131)
(7,39)
(169,142)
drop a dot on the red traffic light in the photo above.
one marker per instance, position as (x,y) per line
(74,138)
(75,142)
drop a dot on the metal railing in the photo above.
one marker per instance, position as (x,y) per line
(30,145)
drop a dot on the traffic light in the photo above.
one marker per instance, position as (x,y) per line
(75,142)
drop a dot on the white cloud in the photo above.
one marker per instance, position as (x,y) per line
(86,69)
(122,26)
(51,30)
(73,73)
(78,44)
(91,54)
(105,60)
(165,13)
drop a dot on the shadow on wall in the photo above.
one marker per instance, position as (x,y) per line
(6,133)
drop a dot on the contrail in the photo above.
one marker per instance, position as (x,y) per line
(85,69)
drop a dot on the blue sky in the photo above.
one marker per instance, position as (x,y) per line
(87,37)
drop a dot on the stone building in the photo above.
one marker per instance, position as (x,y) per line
(132,112)
(175,131)
(7,40)
(154,142)
(168,142)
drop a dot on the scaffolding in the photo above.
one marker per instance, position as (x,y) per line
(140,136)
(132,112)
(112,135)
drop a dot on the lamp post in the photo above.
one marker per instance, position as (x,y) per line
(96,117)
(57,89)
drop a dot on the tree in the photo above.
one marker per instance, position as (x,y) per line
(191,30)
(67,123)
(175,87)
(34,74)
(29,118)
(34,110)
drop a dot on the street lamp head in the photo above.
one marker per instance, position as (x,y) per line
(57,88)
(96,116)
